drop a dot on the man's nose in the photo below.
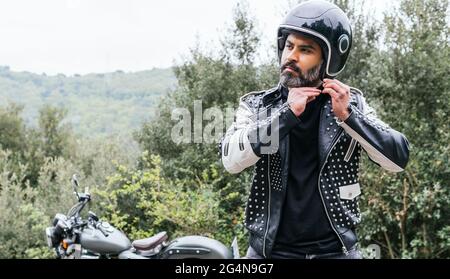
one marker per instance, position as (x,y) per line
(293,56)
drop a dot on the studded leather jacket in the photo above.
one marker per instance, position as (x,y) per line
(258,137)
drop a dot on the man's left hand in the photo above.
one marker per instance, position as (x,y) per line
(340,97)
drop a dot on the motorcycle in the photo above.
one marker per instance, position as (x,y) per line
(73,237)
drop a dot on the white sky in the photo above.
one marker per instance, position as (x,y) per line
(84,36)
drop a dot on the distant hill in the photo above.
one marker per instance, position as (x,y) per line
(97,104)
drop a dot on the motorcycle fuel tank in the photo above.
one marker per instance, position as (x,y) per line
(96,241)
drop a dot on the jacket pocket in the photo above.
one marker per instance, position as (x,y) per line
(349,192)
(350,150)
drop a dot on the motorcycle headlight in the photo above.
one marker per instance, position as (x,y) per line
(54,236)
(59,217)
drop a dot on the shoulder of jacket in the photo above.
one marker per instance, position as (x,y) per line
(256,94)
(251,95)
(253,99)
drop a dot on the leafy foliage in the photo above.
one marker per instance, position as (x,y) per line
(408,213)
(401,64)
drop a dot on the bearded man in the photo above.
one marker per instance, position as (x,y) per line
(304,138)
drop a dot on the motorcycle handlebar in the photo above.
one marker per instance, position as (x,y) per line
(77,208)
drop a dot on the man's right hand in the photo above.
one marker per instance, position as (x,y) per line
(298,98)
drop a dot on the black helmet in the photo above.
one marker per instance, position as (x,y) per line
(328,25)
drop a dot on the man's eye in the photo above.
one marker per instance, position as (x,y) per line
(289,46)
(306,50)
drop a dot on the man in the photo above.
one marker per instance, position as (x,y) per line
(304,138)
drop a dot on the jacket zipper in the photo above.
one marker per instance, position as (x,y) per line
(268,206)
(344,249)
(350,150)
(270,190)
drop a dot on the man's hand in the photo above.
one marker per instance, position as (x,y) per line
(340,97)
(298,98)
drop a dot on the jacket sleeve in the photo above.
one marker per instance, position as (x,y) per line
(384,145)
(252,134)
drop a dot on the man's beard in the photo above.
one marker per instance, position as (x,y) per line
(310,79)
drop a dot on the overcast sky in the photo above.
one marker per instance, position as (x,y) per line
(85,36)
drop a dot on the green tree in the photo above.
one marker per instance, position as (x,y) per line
(12,128)
(241,42)
(366,32)
(54,134)
(36,164)
(408,213)
(21,223)
(51,139)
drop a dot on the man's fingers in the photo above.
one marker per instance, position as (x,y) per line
(305,97)
(303,89)
(311,93)
(341,92)
(327,80)
(334,82)
(306,93)
(310,99)
(331,92)
(336,87)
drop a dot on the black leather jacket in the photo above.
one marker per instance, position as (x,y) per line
(247,143)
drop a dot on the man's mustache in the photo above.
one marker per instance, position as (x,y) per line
(291,64)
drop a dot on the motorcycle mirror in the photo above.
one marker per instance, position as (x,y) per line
(93,216)
(75,180)
(75,184)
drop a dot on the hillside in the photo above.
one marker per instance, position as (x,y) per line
(97,104)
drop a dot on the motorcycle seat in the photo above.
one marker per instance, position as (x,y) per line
(150,242)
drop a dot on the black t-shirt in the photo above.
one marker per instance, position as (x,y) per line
(304,226)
